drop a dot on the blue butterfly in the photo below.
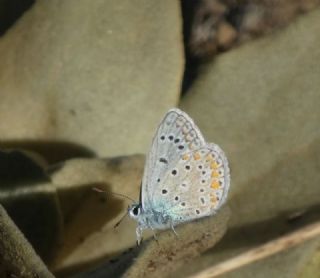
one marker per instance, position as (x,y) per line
(185,177)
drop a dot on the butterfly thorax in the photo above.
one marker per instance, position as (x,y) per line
(150,218)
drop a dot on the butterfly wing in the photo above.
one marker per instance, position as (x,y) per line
(176,135)
(196,186)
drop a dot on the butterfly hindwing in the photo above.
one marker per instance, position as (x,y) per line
(196,186)
(176,135)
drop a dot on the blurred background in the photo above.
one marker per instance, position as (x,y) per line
(83,86)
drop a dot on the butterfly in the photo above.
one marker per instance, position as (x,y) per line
(185,178)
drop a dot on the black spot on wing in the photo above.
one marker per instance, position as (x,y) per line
(163,160)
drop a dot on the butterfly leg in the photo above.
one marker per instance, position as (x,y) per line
(174,231)
(139,235)
(154,234)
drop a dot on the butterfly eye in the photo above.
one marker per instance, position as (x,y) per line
(135,211)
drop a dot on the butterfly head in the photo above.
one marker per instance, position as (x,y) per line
(134,210)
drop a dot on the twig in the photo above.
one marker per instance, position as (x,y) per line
(262,251)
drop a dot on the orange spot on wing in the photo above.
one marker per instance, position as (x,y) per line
(214,165)
(215,174)
(185,157)
(213,198)
(191,146)
(215,185)
(209,156)
(196,156)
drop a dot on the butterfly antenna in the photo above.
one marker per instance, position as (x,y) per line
(116,194)
(118,223)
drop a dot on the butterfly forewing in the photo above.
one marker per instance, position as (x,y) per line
(196,186)
(175,136)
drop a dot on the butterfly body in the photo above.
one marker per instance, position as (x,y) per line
(151,219)
(185,178)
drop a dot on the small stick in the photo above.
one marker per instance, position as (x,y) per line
(262,251)
(98,190)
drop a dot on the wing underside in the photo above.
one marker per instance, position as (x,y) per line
(196,187)
(176,135)
(185,177)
